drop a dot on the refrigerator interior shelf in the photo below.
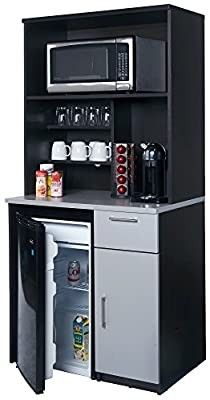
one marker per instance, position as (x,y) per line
(80,286)
(78,309)
(76,246)
(74,367)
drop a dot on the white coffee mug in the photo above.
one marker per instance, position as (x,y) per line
(59,151)
(80,151)
(100,151)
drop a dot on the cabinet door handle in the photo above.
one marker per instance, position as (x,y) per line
(103,312)
(116,219)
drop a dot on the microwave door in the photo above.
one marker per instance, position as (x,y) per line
(81,67)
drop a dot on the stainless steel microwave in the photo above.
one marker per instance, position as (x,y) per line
(116,64)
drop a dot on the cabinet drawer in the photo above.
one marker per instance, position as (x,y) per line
(126,231)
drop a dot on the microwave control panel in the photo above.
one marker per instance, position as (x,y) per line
(122,62)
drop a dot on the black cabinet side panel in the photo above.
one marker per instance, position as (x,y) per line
(186,106)
(182,292)
(13,276)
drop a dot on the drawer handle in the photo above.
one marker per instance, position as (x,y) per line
(115,219)
(103,312)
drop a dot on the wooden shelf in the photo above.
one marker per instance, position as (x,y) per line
(77,128)
(69,162)
(97,96)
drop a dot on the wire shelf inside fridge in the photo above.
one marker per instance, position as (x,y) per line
(76,309)
(79,286)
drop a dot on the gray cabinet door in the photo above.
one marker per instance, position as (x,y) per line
(126,314)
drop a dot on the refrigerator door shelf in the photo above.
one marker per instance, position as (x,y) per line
(50,347)
(51,251)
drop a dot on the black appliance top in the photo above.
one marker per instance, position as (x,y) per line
(116,12)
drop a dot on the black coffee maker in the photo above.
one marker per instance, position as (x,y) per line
(153,172)
(148,173)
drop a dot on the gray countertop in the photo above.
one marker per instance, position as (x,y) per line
(99,200)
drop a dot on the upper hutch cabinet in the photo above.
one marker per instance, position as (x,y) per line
(174,118)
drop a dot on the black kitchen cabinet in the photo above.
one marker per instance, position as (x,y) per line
(142,264)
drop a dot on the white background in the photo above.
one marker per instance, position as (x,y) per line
(195,384)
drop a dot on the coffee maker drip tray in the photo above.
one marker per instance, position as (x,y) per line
(138,197)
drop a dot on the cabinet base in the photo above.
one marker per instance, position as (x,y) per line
(152,387)
(132,383)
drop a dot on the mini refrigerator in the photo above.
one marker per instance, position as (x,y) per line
(46,249)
